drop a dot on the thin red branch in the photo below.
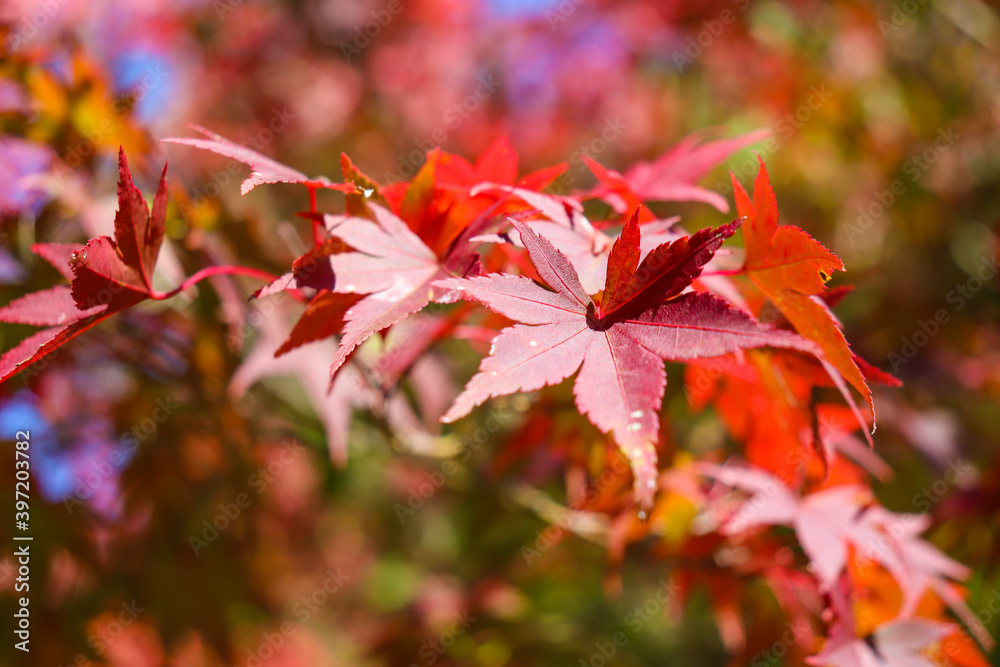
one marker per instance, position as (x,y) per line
(215,271)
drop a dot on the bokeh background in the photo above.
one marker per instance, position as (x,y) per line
(884,145)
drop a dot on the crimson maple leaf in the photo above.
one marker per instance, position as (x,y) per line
(791,269)
(107,277)
(618,345)
(671,177)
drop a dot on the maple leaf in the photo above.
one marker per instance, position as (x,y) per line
(263,169)
(920,567)
(323,317)
(498,164)
(899,642)
(791,269)
(310,270)
(448,194)
(432,237)
(356,203)
(107,277)
(572,234)
(392,266)
(119,271)
(828,521)
(671,177)
(825,522)
(618,346)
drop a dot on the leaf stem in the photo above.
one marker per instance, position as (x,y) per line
(215,271)
(317,236)
(729,272)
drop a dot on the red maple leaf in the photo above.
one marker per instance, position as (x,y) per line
(791,269)
(107,277)
(262,168)
(618,345)
(673,176)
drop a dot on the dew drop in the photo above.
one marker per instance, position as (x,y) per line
(642,515)
(348,288)
(633,427)
(533,343)
(368,191)
(637,414)
(82,253)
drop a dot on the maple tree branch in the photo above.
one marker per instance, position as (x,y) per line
(729,272)
(317,236)
(198,276)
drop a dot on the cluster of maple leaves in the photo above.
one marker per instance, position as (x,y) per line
(608,301)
